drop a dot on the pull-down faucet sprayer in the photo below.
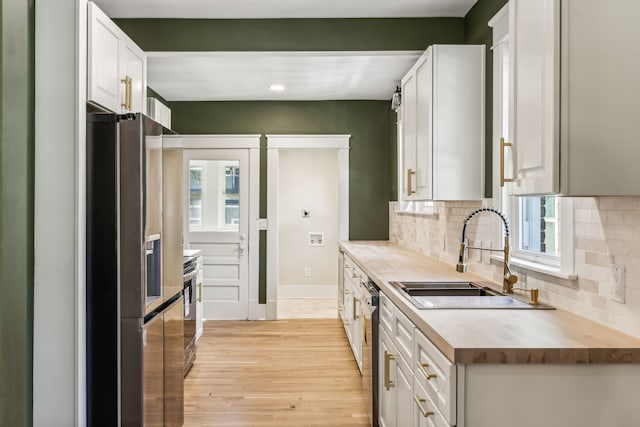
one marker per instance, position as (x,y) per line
(508,279)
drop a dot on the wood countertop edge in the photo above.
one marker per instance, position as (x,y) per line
(578,354)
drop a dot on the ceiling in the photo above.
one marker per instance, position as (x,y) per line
(310,76)
(253,9)
(241,76)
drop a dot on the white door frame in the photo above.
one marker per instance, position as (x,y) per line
(297,142)
(251,143)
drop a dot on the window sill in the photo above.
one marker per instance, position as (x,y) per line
(546,270)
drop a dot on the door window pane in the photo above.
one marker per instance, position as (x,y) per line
(214,195)
(195,195)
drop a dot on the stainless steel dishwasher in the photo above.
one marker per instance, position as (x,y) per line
(370,348)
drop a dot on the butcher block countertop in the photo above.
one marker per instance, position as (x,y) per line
(469,336)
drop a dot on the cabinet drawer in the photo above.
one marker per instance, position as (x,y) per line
(385,306)
(351,271)
(425,411)
(402,335)
(437,375)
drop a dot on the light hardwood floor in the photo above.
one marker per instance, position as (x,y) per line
(274,373)
(307,308)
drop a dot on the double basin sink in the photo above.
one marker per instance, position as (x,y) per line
(464,295)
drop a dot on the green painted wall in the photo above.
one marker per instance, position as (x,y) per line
(476,31)
(367,122)
(292,34)
(16,228)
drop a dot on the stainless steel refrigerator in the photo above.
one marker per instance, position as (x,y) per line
(134,275)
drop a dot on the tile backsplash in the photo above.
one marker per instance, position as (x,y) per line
(607,232)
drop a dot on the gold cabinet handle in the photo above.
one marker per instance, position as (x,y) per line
(388,357)
(201,292)
(347,291)
(355,276)
(129,99)
(355,315)
(503,145)
(125,81)
(127,92)
(346,266)
(419,402)
(423,367)
(410,190)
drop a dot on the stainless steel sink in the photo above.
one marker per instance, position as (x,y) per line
(439,295)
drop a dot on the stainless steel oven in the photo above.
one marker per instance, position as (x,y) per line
(190,273)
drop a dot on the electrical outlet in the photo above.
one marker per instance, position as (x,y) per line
(307,272)
(617,288)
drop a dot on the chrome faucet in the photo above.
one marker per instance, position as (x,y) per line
(508,279)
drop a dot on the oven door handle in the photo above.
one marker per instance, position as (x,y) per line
(189,276)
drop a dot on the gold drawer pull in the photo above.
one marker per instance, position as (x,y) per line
(419,402)
(346,266)
(423,367)
(355,302)
(388,357)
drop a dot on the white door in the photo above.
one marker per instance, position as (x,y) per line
(218,224)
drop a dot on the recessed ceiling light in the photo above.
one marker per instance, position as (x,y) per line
(277,87)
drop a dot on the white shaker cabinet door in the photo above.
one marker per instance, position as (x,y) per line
(424,129)
(387,392)
(409,136)
(135,67)
(404,397)
(535,84)
(103,74)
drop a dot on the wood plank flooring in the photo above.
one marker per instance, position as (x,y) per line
(274,373)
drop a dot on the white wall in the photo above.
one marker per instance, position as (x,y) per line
(307,180)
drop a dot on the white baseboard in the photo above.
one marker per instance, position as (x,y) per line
(272,309)
(257,311)
(307,291)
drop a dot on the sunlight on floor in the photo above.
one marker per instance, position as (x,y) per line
(307,308)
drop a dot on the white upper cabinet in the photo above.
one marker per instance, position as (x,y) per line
(575,97)
(116,66)
(443,125)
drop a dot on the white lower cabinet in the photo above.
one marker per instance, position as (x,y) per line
(436,375)
(396,386)
(199,299)
(351,312)
(425,412)
(424,388)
